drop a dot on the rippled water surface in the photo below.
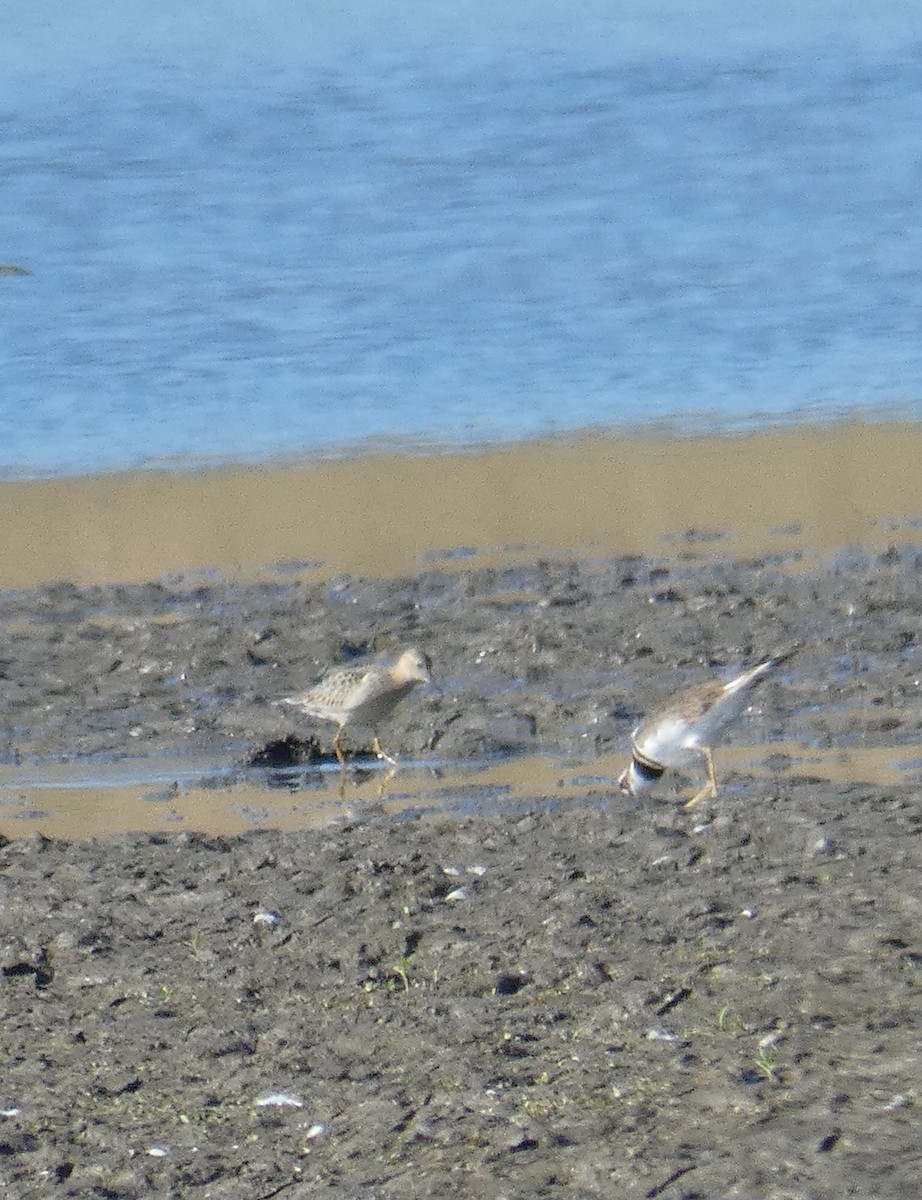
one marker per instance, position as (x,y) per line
(259,231)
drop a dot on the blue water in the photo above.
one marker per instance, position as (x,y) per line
(272,229)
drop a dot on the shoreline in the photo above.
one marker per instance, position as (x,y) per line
(69,803)
(788,490)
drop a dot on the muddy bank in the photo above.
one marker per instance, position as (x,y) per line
(538,656)
(595,1002)
(592,998)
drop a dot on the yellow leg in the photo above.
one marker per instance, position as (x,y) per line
(709,791)
(379,753)
(341,758)
(386,777)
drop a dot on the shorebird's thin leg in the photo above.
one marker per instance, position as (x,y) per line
(386,777)
(379,753)
(709,791)
(338,751)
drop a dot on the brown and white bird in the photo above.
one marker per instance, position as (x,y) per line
(364,694)
(685,728)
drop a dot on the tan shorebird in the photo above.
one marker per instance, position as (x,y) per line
(685,728)
(364,694)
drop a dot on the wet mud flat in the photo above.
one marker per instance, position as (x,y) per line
(593,999)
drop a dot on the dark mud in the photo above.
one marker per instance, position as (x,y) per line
(606,999)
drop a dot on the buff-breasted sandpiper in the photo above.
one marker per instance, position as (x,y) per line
(364,694)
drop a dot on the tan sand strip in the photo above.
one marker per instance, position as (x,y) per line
(812,489)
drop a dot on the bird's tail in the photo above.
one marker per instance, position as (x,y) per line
(763,666)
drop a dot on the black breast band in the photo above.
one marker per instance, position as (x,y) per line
(646,767)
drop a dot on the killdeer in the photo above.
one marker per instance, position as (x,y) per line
(685,727)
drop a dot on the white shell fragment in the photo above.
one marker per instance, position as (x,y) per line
(267,917)
(279,1100)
